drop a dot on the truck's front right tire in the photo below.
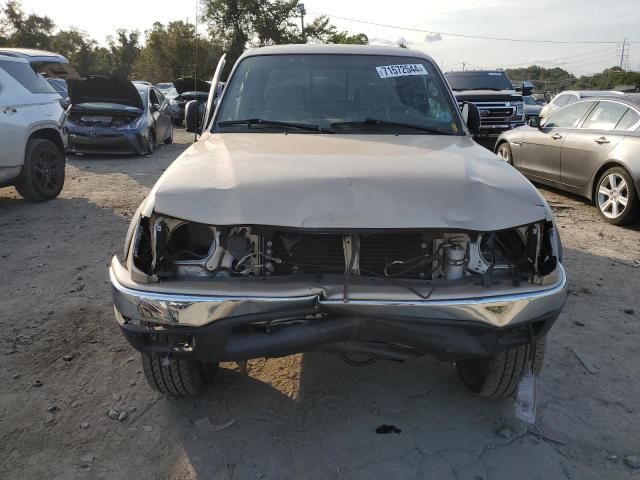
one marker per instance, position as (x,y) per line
(42,176)
(498,376)
(177,378)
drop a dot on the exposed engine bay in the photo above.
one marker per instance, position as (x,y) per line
(166,248)
(83,119)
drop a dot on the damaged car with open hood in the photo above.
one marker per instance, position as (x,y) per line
(188,89)
(336,202)
(111,116)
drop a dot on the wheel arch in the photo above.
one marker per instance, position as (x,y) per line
(50,134)
(499,143)
(603,168)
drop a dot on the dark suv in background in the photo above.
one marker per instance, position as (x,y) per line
(501,107)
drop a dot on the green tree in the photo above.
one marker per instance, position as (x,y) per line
(22,30)
(237,24)
(77,47)
(170,53)
(123,52)
(322,31)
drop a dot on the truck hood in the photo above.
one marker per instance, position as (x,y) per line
(325,181)
(99,89)
(487,95)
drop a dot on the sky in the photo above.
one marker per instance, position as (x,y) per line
(557,20)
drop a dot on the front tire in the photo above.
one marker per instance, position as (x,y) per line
(169,139)
(151,143)
(177,378)
(616,197)
(42,176)
(504,153)
(498,376)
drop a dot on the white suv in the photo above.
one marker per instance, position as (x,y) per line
(31,131)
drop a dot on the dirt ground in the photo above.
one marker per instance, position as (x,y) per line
(64,366)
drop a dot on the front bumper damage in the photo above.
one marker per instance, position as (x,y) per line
(107,141)
(198,321)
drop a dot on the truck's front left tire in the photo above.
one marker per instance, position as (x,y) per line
(42,176)
(498,376)
(177,378)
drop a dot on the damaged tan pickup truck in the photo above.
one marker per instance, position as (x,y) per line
(335,201)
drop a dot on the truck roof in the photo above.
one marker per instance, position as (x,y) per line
(306,49)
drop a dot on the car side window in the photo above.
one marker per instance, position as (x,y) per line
(571,99)
(561,101)
(159,95)
(567,117)
(153,97)
(24,74)
(605,116)
(628,120)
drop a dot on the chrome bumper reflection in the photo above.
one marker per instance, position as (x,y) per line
(199,310)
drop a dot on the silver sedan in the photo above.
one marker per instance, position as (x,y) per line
(590,148)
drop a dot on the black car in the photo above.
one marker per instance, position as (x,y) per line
(189,89)
(114,116)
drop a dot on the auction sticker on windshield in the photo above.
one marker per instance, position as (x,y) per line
(408,69)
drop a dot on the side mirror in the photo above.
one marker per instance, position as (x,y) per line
(191,117)
(527,91)
(535,122)
(471,116)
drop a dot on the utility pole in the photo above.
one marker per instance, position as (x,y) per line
(303,12)
(464,64)
(624,53)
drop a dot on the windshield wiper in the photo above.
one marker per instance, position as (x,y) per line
(272,123)
(385,123)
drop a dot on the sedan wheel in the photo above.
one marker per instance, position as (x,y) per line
(616,198)
(504,152)
(152,143)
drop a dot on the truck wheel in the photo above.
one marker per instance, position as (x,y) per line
(42,176)
(177,378)
(498,376)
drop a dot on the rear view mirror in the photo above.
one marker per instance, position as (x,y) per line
(471,116)
(191,117)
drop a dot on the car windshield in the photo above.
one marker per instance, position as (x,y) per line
(479,81)
(338,93)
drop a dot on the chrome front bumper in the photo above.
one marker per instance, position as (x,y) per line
(136,302)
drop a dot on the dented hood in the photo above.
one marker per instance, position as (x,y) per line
(346,181)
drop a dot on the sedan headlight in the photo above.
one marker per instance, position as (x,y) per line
(133,125)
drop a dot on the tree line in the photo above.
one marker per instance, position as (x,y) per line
(168,51)
(557,79)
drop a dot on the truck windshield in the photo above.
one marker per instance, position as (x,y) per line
(479,81)
(338,94)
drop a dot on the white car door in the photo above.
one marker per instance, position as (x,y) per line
(12,122)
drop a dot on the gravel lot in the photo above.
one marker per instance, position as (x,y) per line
(64,366)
